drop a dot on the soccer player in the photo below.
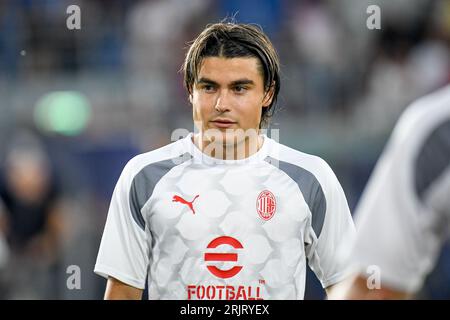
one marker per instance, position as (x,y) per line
(227,212)
(404,215)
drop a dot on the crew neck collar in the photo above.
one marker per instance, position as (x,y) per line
(202,158)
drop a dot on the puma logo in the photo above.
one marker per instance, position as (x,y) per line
(188,203)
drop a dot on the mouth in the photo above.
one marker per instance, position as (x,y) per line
(223,123)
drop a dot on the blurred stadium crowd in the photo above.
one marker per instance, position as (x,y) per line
(75,105)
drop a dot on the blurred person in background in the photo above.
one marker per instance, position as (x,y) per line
(31,220)
(403,219)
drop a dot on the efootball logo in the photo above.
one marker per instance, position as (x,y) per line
(224,291)
(223,257)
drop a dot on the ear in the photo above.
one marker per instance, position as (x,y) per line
(268,97)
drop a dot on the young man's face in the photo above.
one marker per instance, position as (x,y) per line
(228,95)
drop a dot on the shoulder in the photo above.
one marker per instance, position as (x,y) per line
(423,116)
(313,164)
(427,125)
(166,156)
(313,175)
(422,129)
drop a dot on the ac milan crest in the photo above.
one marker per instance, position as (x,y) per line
(266,205)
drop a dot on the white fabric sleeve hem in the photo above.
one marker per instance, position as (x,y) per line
(106,271)
(336,278)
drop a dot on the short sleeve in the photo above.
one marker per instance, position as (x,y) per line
(325,245)
(124,248)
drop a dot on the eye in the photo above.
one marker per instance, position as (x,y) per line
(240,89)
(208,88)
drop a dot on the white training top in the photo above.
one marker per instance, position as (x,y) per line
(403,217)
(197,227)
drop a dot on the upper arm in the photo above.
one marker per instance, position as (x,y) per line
(324,249)
(124,248)
(329,289)
(117,290)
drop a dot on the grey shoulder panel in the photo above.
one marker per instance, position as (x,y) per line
(144,183)
(310,188)
(432,159)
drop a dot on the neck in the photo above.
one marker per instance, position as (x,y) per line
(235,151)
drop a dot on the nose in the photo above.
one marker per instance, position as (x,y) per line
(222,103)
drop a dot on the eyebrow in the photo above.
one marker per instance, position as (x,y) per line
(233,83)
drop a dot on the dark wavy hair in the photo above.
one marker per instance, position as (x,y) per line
(234,40)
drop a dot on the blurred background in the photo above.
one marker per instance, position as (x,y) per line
(76,105)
